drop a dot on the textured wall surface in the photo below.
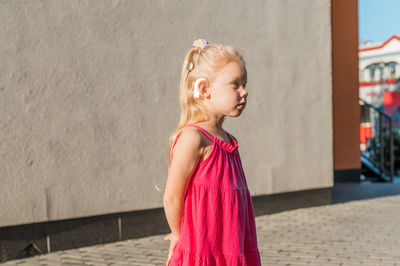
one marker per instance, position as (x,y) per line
(88,98)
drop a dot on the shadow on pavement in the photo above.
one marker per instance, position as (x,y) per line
(349,191)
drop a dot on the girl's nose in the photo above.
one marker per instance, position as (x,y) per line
(244,92)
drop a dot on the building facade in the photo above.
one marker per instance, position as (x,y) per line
(379,69)
(379,75)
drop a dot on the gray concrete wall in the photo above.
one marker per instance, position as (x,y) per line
(88,98)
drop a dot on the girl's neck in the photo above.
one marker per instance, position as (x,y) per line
(214,121)
(214,127)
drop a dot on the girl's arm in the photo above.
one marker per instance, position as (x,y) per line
(185,157)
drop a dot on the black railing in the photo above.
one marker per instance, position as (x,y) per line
(378,166)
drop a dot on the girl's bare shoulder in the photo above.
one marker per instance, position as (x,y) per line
(190,140)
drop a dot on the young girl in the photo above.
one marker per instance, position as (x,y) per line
(206,200)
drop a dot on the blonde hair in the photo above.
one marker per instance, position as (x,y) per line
(205,64)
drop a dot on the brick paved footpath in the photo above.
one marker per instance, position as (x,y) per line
(364,232)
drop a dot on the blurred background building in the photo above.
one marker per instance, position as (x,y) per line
(379,75)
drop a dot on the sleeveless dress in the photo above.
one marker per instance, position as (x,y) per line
(218,224)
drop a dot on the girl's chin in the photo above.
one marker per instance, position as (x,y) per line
(237,113)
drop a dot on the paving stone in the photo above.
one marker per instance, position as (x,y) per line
(364,232)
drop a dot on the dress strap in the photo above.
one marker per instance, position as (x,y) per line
(176,139)
(204,131)
(177,136)
(230,137)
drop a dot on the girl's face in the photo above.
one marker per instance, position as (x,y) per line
(227,90)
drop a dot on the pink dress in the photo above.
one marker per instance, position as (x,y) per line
(218,224)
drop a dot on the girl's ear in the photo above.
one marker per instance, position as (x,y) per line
(205,89)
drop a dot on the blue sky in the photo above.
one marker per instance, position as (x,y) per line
(378,20)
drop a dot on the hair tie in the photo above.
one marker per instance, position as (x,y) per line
(196,92)
(190,66)
(201,44)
